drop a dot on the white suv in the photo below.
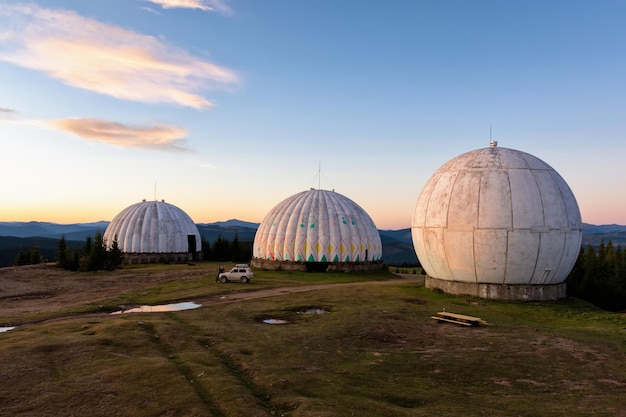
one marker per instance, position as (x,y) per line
(241,272)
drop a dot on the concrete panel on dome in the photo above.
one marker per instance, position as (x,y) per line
(522,252)
(487,160)
(459,247)
(417,234)
(421,207)
(571,206)
(463,162)
(463,209)
(552,199)
(526,199)
(439,200)
(514,160)
(435,254)
(495,209)
(533,162)
(490,250)
(571,250)
(549,259)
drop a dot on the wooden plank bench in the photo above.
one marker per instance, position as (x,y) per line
(460,319)
(440,319)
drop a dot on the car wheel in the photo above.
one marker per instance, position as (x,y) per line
(244,280)
(223,279)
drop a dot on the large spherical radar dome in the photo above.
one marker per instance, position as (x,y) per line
(497,223)
(317,227)
(153,230)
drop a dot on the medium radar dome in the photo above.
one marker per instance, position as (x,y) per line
(497,223)
(317,230)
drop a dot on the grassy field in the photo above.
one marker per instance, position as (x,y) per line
(375,352)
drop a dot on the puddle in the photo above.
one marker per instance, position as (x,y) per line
(275,321)
(313,311)
(6,329)
(160,308)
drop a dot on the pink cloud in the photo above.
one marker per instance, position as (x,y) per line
(206,5)
(159,137)
(106,59)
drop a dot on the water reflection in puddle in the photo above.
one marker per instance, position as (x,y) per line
(6,329)
(160,308)
(275,321)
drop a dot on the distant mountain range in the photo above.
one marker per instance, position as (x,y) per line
(397,244)
(76,231)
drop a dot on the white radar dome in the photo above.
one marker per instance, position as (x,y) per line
(317,226)
(497,223)
(154,227)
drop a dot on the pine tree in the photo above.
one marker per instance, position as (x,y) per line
(206,249)
(600,277)
(22,258)
(114,255)
(235,249)
(576,276)
(75,265)
(34,255)
(84,263)
(63,253)
(97,254)
(87,246)
(221,249)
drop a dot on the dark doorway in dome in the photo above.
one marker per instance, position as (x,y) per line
(191,246)
(316,266)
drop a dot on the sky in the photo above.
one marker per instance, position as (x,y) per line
(224,108)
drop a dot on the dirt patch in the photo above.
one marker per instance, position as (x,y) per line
(46,288)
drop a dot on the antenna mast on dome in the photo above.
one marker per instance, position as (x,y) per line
(492,143)
(319,175)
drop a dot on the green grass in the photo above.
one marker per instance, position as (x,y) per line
(375,353)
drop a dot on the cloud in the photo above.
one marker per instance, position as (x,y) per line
(160,137)
(206,5)
(8,114)
(106,59)
(4,112)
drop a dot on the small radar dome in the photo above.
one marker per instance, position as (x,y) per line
(151,231)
